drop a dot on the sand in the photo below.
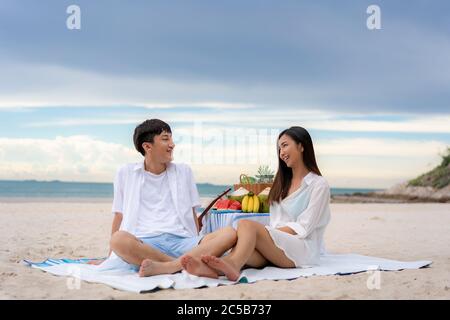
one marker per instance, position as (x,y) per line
(37,229)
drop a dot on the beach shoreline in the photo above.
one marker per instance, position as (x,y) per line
(377,198)
(55,200)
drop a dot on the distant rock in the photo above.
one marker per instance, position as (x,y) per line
(433,186)
(408,192)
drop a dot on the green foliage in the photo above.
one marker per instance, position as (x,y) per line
(445,159)
(437,178)
(265,174)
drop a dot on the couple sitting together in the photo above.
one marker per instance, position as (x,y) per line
(155,226)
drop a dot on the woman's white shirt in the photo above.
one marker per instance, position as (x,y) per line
(307,212)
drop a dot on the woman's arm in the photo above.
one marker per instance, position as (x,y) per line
(287,230)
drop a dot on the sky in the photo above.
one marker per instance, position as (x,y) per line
(227,76)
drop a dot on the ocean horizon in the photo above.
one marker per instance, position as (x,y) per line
(66,189)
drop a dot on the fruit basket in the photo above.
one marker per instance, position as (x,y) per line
(250,184)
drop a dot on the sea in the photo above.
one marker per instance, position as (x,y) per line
(60,189)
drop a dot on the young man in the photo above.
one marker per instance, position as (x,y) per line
(154,208)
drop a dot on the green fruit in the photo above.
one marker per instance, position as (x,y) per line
(264,200)
(238,194)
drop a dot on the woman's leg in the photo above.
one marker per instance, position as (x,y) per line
(215,243)
(256,260)
(251,236)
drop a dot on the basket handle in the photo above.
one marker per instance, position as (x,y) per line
(200,218)
(243,176)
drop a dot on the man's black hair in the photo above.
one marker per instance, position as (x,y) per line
(147,130)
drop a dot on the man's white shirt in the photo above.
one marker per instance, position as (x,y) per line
(157,214)
(154,204)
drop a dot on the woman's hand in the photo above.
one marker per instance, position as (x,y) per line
(287,230)
(96,262)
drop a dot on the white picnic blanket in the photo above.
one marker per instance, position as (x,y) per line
(120,275)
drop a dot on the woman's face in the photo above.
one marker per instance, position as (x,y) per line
(289,151)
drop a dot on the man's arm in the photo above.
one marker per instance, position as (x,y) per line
(116,222)
(117,205)
(115,227)
(118,216)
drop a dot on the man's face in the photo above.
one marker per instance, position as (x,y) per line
(161,150)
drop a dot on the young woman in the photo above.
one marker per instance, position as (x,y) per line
(299,214)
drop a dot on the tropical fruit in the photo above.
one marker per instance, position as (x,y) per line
(221,204)
(227,204)
(264,200)
(245,203)
(238,194)
(250,203)
(256,204)
(234,205)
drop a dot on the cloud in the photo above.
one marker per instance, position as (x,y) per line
(413,125)
(235,118)
(291,55)
(345,162)
(74,158)
(382,148)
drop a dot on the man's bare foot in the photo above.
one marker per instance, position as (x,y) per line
(196,267)
(153,268)
(226,267)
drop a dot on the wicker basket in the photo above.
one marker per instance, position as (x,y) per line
(256,188)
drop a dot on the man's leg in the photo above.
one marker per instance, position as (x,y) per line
(215,243)
(133,250)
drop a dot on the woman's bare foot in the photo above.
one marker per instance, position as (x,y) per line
(226,267)
(153,268)
(196,267)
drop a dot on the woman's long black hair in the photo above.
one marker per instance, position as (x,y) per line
(283,178)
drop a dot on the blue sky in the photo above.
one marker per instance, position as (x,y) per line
(375,101)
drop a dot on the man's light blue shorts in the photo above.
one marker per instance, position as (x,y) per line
(172,245)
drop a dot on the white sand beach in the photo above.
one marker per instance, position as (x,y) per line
(36,230)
